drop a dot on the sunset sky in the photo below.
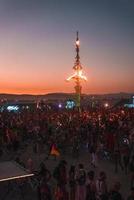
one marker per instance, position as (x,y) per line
(37,45)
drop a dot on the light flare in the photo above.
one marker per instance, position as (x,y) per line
(77,42)
(77,75)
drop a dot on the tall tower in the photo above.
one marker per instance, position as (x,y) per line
(78,77)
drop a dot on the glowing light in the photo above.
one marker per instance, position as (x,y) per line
(77,42)
(16,177)
(13,108)
(106,105)
(70,104)
(60,105)
(77,75)
(122,111)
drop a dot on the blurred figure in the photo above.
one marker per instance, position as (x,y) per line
(93,156)
(45,191)
(131,196)
(72,182)
(81,181)
(114,193)
(44,173)
(132,172)
(101,187)
(90,186)
(30,165)
(126,155)
(43,176)
(117,159)
(60,174)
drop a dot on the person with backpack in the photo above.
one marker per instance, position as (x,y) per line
(81,181)
(90,186)
(101,187)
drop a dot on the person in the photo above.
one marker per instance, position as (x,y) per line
(117,157)
(90,186)
(114,194)
(49,145)
(45,191)
(131,196)
(35,148)
(101,187)
(93,156)
(72,182)
(126,158)
(60,174)
(61,194)
(81,180)
(131,166)
(44,173)
(30,164)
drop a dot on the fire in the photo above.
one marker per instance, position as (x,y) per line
(77,42)
(77,75)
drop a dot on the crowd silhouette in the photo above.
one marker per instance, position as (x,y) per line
(106,134)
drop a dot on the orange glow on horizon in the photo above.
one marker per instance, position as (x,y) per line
(39,49)
(67,88)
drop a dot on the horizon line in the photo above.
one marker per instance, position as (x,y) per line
(41,94)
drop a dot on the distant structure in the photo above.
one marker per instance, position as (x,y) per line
(131,104)
(78,76)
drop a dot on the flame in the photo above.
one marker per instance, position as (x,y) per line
(77,42)
(78,75)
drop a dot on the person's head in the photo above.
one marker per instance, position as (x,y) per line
(116,186)
(42,165)
(81,166)
(91,175)
(102,175)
